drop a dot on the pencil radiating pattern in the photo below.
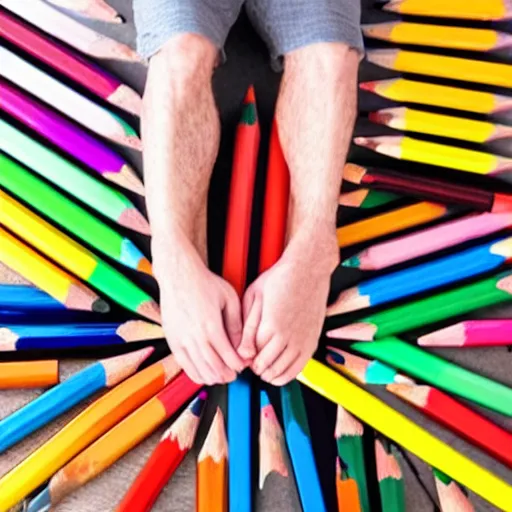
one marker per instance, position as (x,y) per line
(450,494)
(349,441)
(76,258)
(212,492)
(458,38)
(69,137)
(459,418)
(95,9)
(445,375)
(89,425)
(55,402)
(470,333)
(66,100)
(70,64)
(487,292)
(366,199)
(346,491)
(75,34)
(174,445)
(389,474)
(70,216)
(441,66)
(428,241)
(65,336)
(29,374)
(492,10)
(69,177)
(431,153)
(48,277)
(390,222)
(400,429)
(298,439)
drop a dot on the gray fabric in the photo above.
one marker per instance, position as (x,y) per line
(285,25)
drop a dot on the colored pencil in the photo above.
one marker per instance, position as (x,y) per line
(14,297)
(471,333)
(76,258)
(493,10)
(64,174)
(118,441)
(445,375)
(389,475)
(450,494)
(346,491)
(428,241)
(390,222)
(70,216)
(65,336)
(95,9)
(457,38)
(364,371)
(9,277)
(298,439)
(366,199)
(67,101)
(104,374)
(459,418)
(64,288)
(29,374)
(441,66)
(408,434)
(89,425)
(431,153)
(236,250)
(69,137)
(427,276)
(212,492)
(73,33)
(431,189)
(71,64)
(486,292)
(409,91)
(174,445)
(349,440)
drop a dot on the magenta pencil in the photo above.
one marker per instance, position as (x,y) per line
(69,137)
(428,241)
(472,333)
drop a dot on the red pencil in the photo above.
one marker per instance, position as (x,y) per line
(69,63)
(166,458)
(459,418)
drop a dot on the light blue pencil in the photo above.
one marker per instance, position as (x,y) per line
(26,297)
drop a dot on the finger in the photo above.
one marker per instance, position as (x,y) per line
(291,372)
(184,360)
(269,353)
(232,316)
(226,351)
(253,307)
(196,354)
(222,372)
(280,365)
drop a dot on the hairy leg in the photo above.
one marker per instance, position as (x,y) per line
(181,131)
(285,307)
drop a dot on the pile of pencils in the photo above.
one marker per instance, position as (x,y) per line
(67,258)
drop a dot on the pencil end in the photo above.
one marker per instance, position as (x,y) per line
(352,262)
(83,299)
(127,99)
(414,394)
(367,142)
(347,301)
(119,368)
(133,219)
(385,58)
(452,336)
(150,310)
(360,331)
(100,306)
(139,330)
(41,503)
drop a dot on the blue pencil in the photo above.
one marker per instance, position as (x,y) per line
(62,336)
(103,374)
(424,277)
(298,439)
(239,441)
(26,297)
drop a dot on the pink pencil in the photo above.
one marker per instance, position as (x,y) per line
(428,241)
(472,333)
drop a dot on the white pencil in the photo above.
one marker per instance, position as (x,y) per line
(94,9)
(66,100)
(65,28)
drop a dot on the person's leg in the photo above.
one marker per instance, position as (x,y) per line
(181,130)
(285,308)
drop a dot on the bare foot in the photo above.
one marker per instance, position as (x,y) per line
(284,309)
(201,314)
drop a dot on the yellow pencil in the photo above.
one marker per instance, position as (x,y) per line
(403,431)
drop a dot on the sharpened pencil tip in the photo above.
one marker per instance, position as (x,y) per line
(150,309)
(368,86)
(250,96)
(366,142)
(133,219)
(145,266)
(352,262)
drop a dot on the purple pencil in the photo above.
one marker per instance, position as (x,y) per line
(69,137)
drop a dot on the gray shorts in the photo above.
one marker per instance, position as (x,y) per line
(285,25)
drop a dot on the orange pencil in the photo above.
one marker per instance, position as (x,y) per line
(212,469)
(346,491)
(29,374)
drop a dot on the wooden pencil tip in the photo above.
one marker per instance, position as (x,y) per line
(145,267)
(387,465)
(215,444)
(414,394)
(250,96)
(366,142)
(353,173)
(347,425)
(448,337)
(127,99)
(139,330)
(369,86)
(81,298)
(126,178)
(133,219)
(119,368)
(8,340)
(360,331)
(150,310)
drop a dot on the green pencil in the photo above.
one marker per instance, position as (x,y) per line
(366,199)
(72,217)
(440,373)
(69,177)
(484,293)
(389,474)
